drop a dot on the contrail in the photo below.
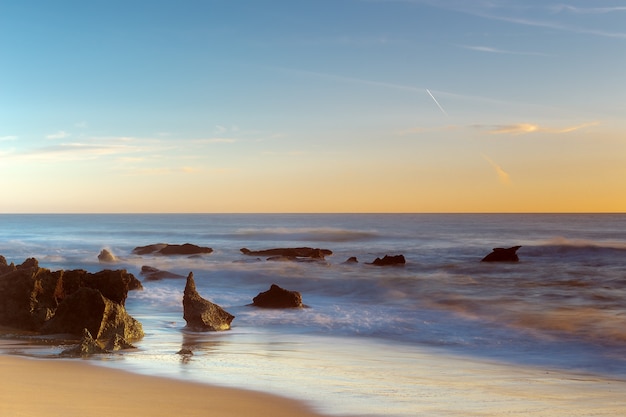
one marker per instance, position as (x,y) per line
(436,102)
(502,174)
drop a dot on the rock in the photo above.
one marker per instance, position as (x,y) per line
(4,267)
(303,252)
(155,274)
(277,297)
(106,256)
(201,314)
(88,309)
(118,343)
(502,255)
(352,260)
(167,249)
(87,346)
(113,284)
(185,351)
(388,260)
(146,250)
(28,296)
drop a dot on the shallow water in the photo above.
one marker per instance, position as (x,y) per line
(361,346)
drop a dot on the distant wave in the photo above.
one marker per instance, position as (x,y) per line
(576,248)
(308,234)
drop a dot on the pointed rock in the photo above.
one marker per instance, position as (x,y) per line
(87,346)
(201,314)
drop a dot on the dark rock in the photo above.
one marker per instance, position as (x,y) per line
(303,252)
(87,346)
(88,309)
(277,297)
(113,284)
(167,249)
(352,260)
(388,260)
(28,296)
(502,255)
(4,267)
(155,274)
(29,263)
(146,250)
(201,314)
(185,351)
(106,256)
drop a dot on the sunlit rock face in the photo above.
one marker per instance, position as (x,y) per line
(201,314)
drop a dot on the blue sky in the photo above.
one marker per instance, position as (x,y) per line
(343,105)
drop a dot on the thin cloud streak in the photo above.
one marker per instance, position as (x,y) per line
(436,102)
(525,128)
(491,50)
(61,134)
(503,176)
(505,12)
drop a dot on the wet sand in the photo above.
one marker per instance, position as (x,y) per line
(68,388)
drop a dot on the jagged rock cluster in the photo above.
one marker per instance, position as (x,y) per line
(68,302)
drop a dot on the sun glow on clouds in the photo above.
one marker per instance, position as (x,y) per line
(524,128)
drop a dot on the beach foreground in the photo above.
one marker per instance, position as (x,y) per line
(50,388)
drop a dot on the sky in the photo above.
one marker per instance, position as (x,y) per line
(218,106)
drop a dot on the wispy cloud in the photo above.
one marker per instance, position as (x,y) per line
(525,128)
(61,134)
(587,10)
(503,176)
(214,140)
(541,14)
(7,138)
(492,50)
(76,151)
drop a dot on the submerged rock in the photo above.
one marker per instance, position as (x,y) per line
(388,260)
(277,297)
(155,274)
(167,249)
(201,314)
(502,255)
(303,252)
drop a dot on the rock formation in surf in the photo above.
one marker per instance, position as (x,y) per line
(389,260)
(67,301)
(201,314)
(167,249)
(502,255)
(303,252)
(154,274)
(277,297)
(106,256)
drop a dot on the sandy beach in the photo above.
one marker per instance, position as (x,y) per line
(66,388)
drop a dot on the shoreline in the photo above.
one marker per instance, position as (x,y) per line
(56,387)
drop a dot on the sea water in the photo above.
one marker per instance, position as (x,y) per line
(358,348)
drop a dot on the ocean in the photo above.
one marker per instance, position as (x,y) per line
(370,335)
